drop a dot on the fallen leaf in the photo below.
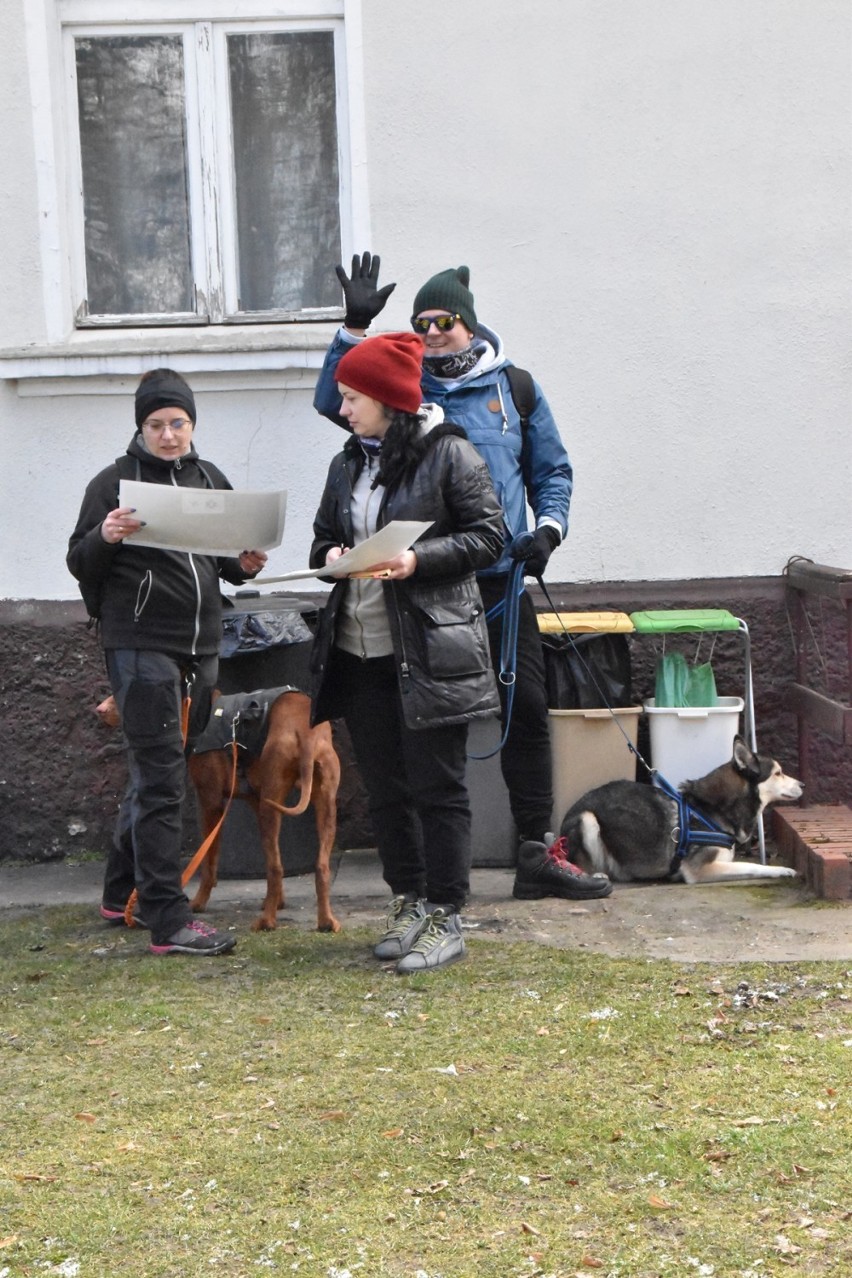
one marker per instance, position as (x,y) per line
(529,1229)
(10,1241)
(748,1122)
(36,1176)
(591,1262)
(616,1135)
(86,1118)
(95,1042)
(681,991)
(660,1204)
(128,1147)
(332,1115)
(393,1133)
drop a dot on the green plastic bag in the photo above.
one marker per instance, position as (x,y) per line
(678,684)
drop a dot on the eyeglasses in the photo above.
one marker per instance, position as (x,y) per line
(176,425)
(443,323)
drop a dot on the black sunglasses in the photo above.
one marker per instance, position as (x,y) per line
(443,323)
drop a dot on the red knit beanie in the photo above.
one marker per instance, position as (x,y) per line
(387,368)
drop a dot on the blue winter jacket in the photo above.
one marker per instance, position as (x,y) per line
(530,467)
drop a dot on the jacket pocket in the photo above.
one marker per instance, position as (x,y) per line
(455,641)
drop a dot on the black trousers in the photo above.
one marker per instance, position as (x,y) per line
(526,759)
(415,782)
(146,851)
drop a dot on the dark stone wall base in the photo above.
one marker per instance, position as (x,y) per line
(63,774)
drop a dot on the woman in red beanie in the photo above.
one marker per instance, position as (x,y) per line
(402,656)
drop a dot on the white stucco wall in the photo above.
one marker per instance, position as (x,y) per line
(654,201)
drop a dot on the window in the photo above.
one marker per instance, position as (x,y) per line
(211,161)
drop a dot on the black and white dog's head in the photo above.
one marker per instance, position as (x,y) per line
(739,790)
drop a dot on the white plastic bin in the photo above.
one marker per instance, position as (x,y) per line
(589,748)
(688,742)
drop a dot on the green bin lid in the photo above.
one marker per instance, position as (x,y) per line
(670,620)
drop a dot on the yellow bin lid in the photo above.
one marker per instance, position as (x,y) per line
(585,622)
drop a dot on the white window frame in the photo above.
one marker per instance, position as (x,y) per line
(68,350)
(210,169)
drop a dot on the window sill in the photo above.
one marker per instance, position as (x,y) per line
(282,351)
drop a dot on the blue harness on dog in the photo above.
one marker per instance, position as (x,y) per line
(693,828)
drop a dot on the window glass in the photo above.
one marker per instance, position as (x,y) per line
(283,105)
(132,112)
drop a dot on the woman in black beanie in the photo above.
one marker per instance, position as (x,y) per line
(159,613)
(402,655)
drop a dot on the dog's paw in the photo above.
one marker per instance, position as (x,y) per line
(785,872)
(264,924)
(328,925)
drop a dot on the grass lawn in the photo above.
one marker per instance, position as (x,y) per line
(297,1108)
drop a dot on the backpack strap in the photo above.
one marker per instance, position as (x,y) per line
(523,393)
(128,467)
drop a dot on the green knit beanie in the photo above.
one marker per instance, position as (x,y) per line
(448,291)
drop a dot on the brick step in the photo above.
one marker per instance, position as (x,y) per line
(818,843)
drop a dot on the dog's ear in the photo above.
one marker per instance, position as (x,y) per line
(745,761)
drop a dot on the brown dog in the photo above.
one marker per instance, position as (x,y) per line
(294,754)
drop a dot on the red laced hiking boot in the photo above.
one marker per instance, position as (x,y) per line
(546,871)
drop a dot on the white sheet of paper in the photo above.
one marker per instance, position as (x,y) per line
(207,521)
(387,543)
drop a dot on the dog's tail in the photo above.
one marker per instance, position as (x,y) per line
(305,783)
(301,806)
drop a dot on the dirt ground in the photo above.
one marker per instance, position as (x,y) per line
(773,922)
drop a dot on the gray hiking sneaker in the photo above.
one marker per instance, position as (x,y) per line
(195,937)
(440,943)
(406,920)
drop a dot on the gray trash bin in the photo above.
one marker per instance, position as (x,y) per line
(266,644)
(494,839)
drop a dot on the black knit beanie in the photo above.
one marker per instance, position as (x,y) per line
(163,388)
(448,291)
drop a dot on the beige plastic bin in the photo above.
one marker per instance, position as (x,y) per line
(689,742)
(589,749)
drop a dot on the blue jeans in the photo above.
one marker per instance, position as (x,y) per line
(146,851)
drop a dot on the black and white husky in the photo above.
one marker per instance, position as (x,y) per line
(633,832)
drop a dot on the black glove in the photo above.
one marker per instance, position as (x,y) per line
(533,549)
(363,299)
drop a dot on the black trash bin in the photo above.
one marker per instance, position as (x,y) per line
(266,643)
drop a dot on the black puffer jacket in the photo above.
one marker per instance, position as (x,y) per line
(161,600)
(436,616)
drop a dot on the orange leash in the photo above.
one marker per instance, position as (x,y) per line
(211,837)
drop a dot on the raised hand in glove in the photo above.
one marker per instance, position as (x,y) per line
(363,299)
(533,549)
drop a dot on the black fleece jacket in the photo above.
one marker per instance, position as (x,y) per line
(161,600)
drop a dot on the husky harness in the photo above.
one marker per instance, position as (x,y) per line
(693,829)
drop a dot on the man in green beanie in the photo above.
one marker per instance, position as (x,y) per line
(464,373)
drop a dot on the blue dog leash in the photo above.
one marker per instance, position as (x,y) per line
(510,609)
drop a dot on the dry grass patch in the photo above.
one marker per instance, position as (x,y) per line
(297,1108)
